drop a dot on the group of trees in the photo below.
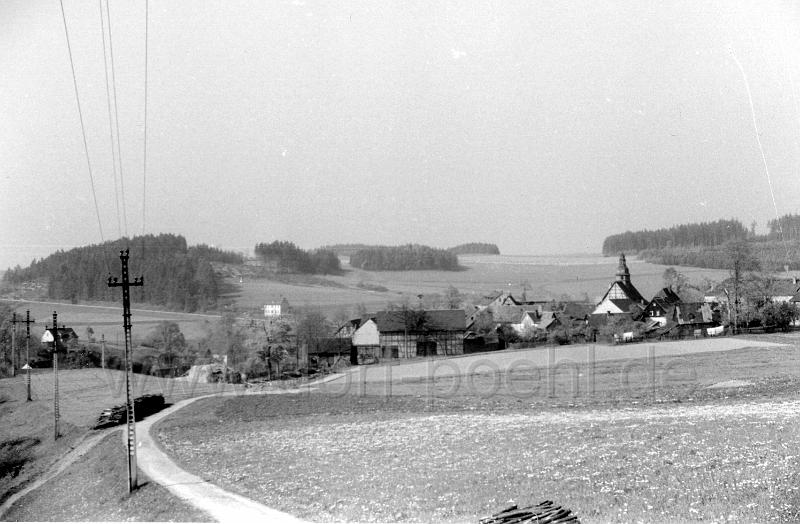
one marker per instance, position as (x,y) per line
(287,257)
(407,257)
(702,245)
(705,234)
(475,248)
(175,275)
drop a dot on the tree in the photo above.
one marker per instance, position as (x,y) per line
(169,340)
(740,258)
(312,327)
(453,297)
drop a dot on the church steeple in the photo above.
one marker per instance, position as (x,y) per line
(623,274)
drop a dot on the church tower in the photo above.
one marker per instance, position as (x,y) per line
(623,274)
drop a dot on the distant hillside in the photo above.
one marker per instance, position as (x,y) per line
(346,250)
(176,275)
(286,257)
(701,245)
(685,235)
(475,248)
(404,258)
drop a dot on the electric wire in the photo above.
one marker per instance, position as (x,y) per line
(144,155)
(116,115)
(110,121)
(144,152)
(83,127)
(760,148)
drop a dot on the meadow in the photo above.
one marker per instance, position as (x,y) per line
(581,277)
(717,444)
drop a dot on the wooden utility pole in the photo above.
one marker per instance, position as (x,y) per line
(103,350)
(126,284)
(27,366)
(13,343)
(51,335)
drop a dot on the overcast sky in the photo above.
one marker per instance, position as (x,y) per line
(540,126)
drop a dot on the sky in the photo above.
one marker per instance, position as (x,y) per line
(541,126)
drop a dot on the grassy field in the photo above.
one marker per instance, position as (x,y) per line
(106,319)
(27,445)
(95,489)
(628,452)
(546,277)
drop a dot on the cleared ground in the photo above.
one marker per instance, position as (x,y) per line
(627,451)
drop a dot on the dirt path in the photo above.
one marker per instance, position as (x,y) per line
(83,446)
(220,504)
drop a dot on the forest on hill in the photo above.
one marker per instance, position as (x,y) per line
(285,257)
(176,275)
(404,258)
(702,245)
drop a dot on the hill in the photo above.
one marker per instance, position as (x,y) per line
(176,275)
(701,245)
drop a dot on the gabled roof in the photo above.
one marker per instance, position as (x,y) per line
(432,320)
(693,313)
(547,319)
(508,314)
(668,296)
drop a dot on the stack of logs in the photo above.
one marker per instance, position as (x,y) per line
(543,513)
(143,406)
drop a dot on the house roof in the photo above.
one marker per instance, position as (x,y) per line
(666,295)
(577,310)
(508,314)
(693,313)
(547,318)
(434,320)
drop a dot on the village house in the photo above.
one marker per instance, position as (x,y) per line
(410,333)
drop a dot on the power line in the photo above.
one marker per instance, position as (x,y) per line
(144,161)
(80,116)
(760,147)
(116,115)
(110,119)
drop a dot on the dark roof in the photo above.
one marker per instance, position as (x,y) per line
(693,313)
(508,314)
(631,291)
(666,295)
(434,320)
(577,309)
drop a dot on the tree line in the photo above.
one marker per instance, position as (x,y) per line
(402,258)
(288,258)
(175,275)
(475,248)
(705,234)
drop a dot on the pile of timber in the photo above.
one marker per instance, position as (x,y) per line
(142,407)
(543,513)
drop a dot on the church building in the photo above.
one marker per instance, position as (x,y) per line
(621,295)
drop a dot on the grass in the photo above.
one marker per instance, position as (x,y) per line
(106,319)
(548,278)
(95,489)
(83,394)
(685,454)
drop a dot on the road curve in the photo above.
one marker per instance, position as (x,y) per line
(221,505)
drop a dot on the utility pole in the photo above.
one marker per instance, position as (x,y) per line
(14,343)
(27,366)
(103,350)
(126,284)
(51,335)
